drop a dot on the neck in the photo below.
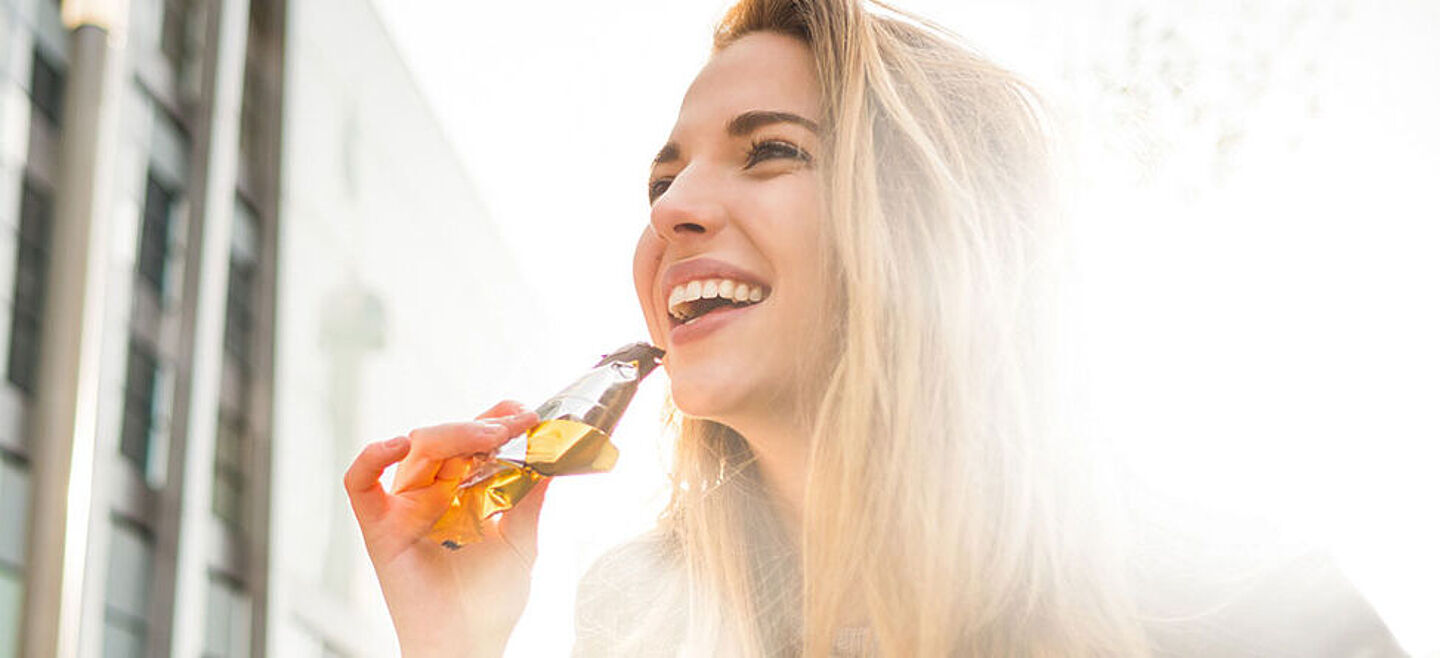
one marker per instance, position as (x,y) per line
(782,453)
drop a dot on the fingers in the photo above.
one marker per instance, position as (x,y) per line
(362,479)
(450,446)
(469,437)
(455,468)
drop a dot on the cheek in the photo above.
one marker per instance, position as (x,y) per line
(645,268)
(795,238)
(798,246)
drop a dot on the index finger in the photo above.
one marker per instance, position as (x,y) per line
(468,437)
(436,444)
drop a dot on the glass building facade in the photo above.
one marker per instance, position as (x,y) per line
(227,260)
(177,169)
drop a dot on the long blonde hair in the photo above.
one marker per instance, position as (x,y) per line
(945,508)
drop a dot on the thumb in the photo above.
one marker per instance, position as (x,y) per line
(362,479)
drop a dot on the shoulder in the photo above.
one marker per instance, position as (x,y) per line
(633,592)
(640,565)
(1280,607)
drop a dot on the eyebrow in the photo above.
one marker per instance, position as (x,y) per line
(746,123)
(670,152)
(743,124)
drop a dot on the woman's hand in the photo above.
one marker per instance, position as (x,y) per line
(445,602)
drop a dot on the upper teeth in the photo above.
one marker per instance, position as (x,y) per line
(710,288)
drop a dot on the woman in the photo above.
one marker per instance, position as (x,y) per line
(868,460)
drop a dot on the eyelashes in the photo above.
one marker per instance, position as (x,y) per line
(774,148)
(760,151)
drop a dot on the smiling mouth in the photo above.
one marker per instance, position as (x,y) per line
(689,301)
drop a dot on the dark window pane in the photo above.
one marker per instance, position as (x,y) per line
(31,259)
(135,429)
(172,32)
(262,16)
(35,209)
(29,285)
(238,315)
(46,86)
(230,459)
(24,354)
(249,124)
(155,234)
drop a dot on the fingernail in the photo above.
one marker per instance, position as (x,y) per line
(395,443)
(491,426)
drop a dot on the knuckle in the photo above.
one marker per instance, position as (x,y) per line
(485,428)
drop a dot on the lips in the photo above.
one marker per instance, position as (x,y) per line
(704,287)
(704,325)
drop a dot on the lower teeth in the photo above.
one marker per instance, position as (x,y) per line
(692,318)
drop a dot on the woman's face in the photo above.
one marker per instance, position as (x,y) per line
(728,272)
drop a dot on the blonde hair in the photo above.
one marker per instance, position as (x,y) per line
(943,502)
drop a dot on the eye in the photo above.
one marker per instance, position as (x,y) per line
(771,149)
(658,187)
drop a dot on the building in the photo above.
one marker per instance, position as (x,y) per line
(219,219)
(136,148)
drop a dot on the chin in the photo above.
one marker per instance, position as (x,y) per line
(700,399)
(712,394)
(739,403)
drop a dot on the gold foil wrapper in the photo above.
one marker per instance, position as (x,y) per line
(553,447)
(463,522)
(567,447)
(572,438)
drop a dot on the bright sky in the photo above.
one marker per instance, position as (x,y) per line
(1256,242)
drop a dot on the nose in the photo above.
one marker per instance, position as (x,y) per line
(690,208)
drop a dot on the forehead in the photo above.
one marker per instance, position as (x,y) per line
(759,71)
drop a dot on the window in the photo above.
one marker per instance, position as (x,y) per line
(232,440)
(141,372)
(240,301)
(12,595)
(227,619)
(155,234)
(127,591)
(174,33)
(14,509)
(239,313)
(46,87)
(32,256)
(252,106)
(231,456)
